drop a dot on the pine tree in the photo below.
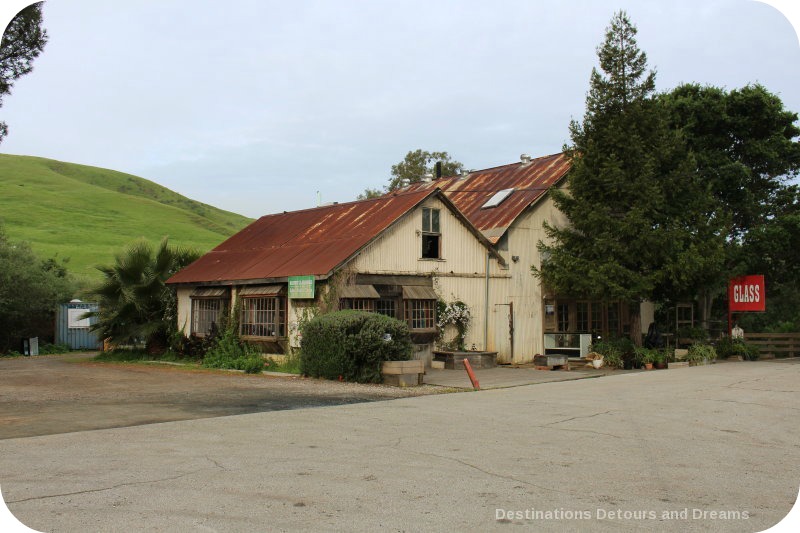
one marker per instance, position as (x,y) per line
(638,216)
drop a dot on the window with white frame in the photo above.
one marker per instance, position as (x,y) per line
(263,317)
(431,234)
(206,314)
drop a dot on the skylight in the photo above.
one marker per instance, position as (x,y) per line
(497,198)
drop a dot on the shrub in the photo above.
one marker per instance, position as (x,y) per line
(700,351)
(644,355)
(727,347)
(613,351)
(123,355)
(50,349)
(351,345)
(290,364)
(229,352)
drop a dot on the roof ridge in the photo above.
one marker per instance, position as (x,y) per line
(386,196)
(476,171)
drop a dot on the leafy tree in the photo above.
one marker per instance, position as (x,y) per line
(641,224)
(417,163)
(135,304)
(23,41)
(370,193)
(744,142)
(30,290)
(773,249)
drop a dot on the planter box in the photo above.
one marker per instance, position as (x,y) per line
(551,361)
(403,373)
(455,360)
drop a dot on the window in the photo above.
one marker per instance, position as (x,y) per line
(421,314)
(563,317)
(386,307)
(612,318)
(597,317)
(431,234)
(583,317)
(206,312)
(263,317)
(357,304)
(497,198)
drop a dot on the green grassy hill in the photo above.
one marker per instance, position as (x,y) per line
(89,214)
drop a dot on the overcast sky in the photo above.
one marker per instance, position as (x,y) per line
(254,106)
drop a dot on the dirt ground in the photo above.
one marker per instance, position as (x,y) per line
(59,394)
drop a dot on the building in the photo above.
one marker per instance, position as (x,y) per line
(396,255)
(510,205)
(470,238)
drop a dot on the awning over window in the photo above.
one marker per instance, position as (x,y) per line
(262,290)
(358,291)
(209,292)
(414,292)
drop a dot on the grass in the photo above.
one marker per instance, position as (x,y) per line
(288,365)
(89,214)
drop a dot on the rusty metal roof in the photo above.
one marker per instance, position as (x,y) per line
(530,182)
(307,242)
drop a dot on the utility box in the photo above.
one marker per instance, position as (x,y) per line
(30,346)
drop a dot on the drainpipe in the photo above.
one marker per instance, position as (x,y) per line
(486,309)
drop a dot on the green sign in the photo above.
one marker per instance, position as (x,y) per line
(301,287)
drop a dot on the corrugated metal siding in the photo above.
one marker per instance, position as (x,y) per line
(472,291)
(398,250)
(524,289)
(76,338)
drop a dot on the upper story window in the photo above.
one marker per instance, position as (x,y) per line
(431,234)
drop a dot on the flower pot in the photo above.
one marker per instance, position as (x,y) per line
(648,366)
(597,363)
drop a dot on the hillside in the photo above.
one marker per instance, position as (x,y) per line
(88,214)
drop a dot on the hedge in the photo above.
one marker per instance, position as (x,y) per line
(351,345)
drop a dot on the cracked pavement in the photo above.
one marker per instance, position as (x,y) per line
(719,438)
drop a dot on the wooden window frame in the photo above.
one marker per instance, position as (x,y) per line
(431,229)
(420,314)
(357,304)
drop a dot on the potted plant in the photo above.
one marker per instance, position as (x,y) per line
(644,356)
(659,359)
(701,354)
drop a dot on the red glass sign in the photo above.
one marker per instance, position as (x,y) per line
(747,293)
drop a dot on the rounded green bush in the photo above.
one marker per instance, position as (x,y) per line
(351,345)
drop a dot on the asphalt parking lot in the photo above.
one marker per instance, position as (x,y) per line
(713,448)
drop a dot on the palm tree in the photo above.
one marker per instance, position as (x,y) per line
(135,304)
